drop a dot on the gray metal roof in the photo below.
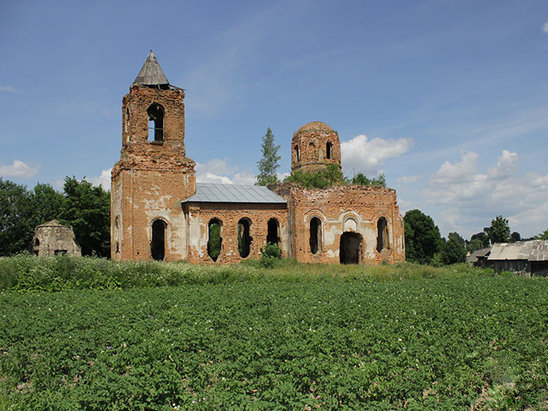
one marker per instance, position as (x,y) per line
(484,252)
(151,73)
(233,193)
(534,250)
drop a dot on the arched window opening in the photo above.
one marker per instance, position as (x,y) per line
(315,235)
(117,247)
(244,237)
(297,154)
(158,243)
(117,222)
(214,239)
(126,125)
(382,235)
(350,248)
(155,122)
(312,155)
(328,149)
(37,242)
(273,235)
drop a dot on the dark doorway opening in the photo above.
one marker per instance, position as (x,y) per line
(382,235)
(244,237)
(328,148)
(315,235)
(273,236)
(350,248)
(214,239)
(158,243)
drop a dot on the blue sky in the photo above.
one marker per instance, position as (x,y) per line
(447,98)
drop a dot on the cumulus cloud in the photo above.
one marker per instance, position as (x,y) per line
(361,154)
(102,180)
(471,198)
(220,171)
(18,169)
(545,27)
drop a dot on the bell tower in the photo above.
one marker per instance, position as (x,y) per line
(315,146)
(153,174)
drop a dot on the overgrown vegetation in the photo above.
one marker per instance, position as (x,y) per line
(330,176)
(294,336)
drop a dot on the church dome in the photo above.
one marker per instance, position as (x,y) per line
(315,126)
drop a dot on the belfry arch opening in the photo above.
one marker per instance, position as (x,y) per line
(297,153)
(158,242)
(350,248)
(315,235)
(155,122)
(382,235)
(214,239)
(244,237)
(328,150)
(273,234)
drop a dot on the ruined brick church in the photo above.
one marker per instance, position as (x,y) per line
(159,211)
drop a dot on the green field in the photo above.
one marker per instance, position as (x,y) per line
(382,337)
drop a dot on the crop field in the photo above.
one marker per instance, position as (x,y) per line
(451,339)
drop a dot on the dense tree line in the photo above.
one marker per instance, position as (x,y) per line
(424,244)
(82,206)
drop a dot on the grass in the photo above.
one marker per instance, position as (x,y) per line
(30,273)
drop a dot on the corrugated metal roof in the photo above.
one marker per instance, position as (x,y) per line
(151,73)
(484,252)
(233,193)
(534,250)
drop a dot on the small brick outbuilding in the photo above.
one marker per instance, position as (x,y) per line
(158,211)
(53,238)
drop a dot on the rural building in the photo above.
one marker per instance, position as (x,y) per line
(53,238)
(479,258)
(158,211)
(525,257)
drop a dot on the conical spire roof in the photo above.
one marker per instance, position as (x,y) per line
(151,73)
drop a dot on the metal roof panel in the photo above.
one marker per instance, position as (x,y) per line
(233,193)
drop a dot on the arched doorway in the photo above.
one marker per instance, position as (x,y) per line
(158,243)
(350,248)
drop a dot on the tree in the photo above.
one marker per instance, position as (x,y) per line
(422,237)
(87,209)
(499,232)
(482,237)
(474,245)
(515,236)
(362,180)
(543,236)
(47,203)
(453,250)
(268,164)
(16,222)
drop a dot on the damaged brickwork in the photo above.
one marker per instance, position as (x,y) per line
(158,213)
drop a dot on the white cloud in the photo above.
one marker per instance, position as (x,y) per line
(18,169)
(458,172)
(408,179)
(8,89)
(471,198)
(102,180)
(220,171)
(361,154)
(545,27)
